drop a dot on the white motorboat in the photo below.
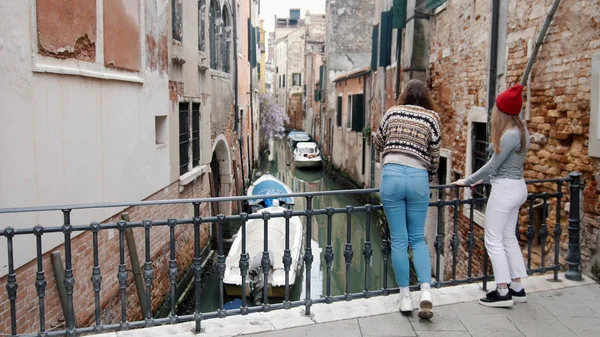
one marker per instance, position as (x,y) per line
(263,187)
(307,154)
(294,137)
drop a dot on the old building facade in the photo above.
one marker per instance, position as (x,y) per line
(123,101)
(560,102)
(313,61)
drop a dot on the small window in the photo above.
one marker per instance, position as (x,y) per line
(283,80)
(184,137)
(160,130)
(479,155)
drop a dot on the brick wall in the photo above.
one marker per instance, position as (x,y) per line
(559,101)
(82,255)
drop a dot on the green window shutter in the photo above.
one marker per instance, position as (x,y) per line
(321,83)
(250,40)
(253,53)
(385,49)
(399,14)
(374,46)
(317,95)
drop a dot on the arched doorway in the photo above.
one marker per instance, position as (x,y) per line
(222,178)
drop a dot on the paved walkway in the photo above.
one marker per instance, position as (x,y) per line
(562,309)
(561,313)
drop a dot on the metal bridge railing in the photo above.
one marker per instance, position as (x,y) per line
(12,284)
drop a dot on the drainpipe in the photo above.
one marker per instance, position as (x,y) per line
(251,160)
(236,90)
(493,65)
(398,60)
(539,41)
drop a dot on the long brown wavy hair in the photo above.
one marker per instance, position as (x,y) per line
(416,93)
(502,122)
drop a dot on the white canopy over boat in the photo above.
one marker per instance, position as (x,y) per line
(307,154)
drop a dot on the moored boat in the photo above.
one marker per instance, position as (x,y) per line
(307,154)
(262,188)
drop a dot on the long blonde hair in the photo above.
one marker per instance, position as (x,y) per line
(502,122)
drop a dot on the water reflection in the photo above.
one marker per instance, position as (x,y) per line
(279,162)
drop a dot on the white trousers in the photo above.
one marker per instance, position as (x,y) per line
(501,243)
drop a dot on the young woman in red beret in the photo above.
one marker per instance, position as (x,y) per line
(510,143)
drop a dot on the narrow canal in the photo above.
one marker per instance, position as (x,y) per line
(280,164)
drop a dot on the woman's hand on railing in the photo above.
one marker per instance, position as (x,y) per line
(460,182)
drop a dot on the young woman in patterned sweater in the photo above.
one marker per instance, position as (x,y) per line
(409,140)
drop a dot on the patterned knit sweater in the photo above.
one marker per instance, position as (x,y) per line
(412,131)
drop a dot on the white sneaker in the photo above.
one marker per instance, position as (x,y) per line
(406,304)
(425,304)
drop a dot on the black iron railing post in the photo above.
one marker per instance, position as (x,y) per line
(308,256)
(329,255)
(69,279)
(11,283)
(557,231)
(221,264)
(470,241)
(148,274)
(386,251)
(574,253)
(286,259)
(173,271)
(438,244)
(40,280)
(348,252)
(265,261)
(367,250)
(544,231)
(530,234)
(455,239)
(122,275)
(244,265)
(96,277)
(197,265)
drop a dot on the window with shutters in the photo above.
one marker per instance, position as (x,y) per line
(213,16)
(296,79)
(177,19)
(338,115)
(358,112)
(479,147)
(184,137)
(189,136)
(201,25)
(349,112)
(226,40)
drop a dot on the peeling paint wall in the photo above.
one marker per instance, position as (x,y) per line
(66,29)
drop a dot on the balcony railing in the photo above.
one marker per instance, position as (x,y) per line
(12,285)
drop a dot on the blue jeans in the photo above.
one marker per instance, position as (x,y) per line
(404,194)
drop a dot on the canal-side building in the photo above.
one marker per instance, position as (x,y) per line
(351,92)
(347,48)
(128,101)
(313,58)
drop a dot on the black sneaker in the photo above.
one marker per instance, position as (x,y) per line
(518,296)
(495,300)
